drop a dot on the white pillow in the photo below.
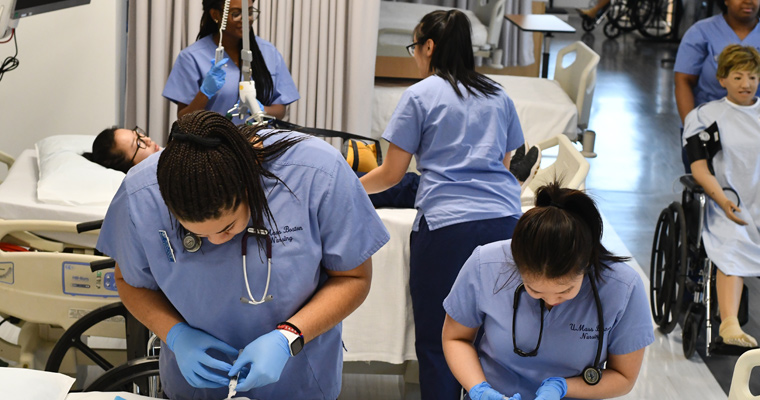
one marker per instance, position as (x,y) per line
(67,178)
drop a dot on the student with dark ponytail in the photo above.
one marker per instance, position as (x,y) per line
(461,126)
(542,299)
(195,83)
(180,227)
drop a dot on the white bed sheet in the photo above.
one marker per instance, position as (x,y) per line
(18,200)
(543,108)
(382,328)
(398,19)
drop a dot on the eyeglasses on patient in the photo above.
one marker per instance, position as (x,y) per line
(236,13)
(140,136)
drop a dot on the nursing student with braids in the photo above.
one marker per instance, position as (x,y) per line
(461,126)
(228,242)
(197,83)
(541,300)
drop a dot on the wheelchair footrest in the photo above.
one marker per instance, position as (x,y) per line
(721,348)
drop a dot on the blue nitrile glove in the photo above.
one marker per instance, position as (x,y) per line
(189,346)
(484,391)
(214,79)
(119,398)
(552,389)
(261,106)
(266,357)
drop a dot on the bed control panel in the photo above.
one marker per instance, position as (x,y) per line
(79,280)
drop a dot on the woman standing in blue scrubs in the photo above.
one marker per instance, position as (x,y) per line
(195,83)
(284,200)
(461,127)
(540,299)
(697,57)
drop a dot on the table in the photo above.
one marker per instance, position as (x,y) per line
(543,23)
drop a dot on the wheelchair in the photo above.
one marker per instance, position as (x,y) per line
(617,16)
(683,277)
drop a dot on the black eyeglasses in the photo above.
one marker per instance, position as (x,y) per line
(140,136)
(519,352)
(237,13)
(411,47)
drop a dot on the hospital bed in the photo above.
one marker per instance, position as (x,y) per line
(398,20)
(546,107)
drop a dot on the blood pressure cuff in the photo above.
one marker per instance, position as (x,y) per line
(704,145)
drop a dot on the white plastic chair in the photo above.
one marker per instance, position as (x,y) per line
(742,372)
(569,169)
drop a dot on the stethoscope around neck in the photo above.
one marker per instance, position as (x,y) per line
(192,243)
(591,374)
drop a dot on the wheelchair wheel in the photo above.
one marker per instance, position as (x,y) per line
(691,326)
(611,30)
(139,376)
(668,267)
(75,337)
(588,24)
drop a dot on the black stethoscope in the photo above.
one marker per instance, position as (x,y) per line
(192,243)
(591,374)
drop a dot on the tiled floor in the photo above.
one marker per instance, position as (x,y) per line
(633,179)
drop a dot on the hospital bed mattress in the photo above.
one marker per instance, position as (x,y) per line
(18,200)
(398,20)
(543,108)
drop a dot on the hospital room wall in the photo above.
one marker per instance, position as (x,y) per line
(70,76)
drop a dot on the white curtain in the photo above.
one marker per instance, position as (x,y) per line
(328,45)
(517,45)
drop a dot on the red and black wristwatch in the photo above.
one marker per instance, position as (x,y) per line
(294,336)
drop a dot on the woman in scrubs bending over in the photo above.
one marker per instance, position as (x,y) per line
(540,299)
(179,228)
(461,126)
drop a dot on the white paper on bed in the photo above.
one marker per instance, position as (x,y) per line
(382,328)
(543,108)
(398,20)
(67,178)
(29,384)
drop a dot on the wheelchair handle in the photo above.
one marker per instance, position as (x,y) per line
(690,183)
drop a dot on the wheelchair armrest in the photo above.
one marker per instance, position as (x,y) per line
(690,183)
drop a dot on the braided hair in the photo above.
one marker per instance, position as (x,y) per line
(104,152)
(209,168)
(452,57)
(560,236)
(259,71)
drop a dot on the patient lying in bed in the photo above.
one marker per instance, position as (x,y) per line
(120,149)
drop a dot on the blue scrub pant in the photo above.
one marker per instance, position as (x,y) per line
(435,260)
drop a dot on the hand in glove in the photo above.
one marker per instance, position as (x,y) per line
(190,346)
(265,358)
(214,79)
(484,391)
(552,389)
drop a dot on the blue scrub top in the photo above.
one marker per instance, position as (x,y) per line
(194,62)
(317,228)
(569,341)
(459,144)
(699,50)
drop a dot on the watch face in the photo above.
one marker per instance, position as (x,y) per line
(296,346)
